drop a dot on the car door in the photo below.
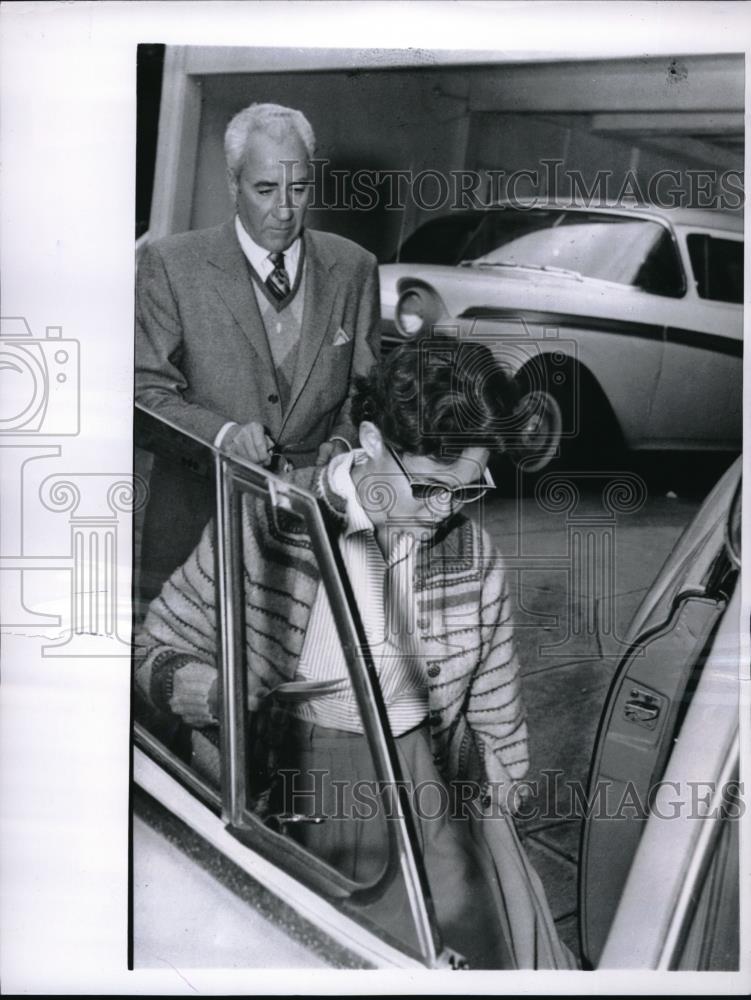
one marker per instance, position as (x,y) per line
(217,777)
(698,399)
(654,765)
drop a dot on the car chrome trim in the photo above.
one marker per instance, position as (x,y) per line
(231,634)
(151,747)
(697,867)
(733,527)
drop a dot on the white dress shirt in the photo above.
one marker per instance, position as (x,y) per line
(258,256)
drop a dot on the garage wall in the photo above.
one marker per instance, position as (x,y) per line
(379,121)
(628,117)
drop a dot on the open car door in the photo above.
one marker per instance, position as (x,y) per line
(209,596)
(221,768)
(658,873)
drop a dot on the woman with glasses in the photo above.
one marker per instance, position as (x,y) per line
(434,606)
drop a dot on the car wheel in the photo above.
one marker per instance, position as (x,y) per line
(556,400)
(540,431)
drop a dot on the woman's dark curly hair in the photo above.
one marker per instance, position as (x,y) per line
(436,396)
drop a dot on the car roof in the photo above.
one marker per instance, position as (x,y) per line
(704,218)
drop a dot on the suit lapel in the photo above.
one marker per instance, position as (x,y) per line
(320,293)
(235,287)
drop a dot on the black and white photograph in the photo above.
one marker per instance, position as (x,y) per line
(372,497)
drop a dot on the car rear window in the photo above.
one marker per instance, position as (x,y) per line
(440,241)
(621,249)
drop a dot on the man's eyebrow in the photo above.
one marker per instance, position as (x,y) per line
(302,182)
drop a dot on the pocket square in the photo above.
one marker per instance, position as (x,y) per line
(342,337)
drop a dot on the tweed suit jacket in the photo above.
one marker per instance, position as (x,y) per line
(202,353)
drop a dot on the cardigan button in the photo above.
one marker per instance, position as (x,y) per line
(434,670)
(273,398)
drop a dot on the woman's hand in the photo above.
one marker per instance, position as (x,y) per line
(194,694)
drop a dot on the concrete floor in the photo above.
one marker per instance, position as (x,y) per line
(570,619)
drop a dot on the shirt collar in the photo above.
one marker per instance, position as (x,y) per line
(258,256)
(340,481)
(356,519)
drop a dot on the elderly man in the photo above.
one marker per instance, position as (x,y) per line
(450,683)
(249,334)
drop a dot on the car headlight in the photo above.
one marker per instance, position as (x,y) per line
(417,309)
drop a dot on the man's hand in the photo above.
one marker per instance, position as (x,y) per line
(257,697)
(249,441)
(194,694)
(330,448)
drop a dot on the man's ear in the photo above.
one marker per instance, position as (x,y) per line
(232,185)
(371,440)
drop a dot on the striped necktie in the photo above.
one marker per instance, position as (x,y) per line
(278,281)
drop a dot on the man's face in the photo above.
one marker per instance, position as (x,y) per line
(274,189)
(398,476)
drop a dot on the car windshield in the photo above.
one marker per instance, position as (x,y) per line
(628,251)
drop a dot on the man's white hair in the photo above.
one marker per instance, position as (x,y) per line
(270,119)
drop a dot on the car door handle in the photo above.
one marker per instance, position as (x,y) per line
(279,821)
(641,710)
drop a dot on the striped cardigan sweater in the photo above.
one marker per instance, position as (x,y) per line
(476,717)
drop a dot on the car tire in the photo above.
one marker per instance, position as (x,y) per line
(540,435)
(548,407)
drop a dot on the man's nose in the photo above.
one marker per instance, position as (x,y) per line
(284,208)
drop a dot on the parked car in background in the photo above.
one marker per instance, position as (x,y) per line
(623,326)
